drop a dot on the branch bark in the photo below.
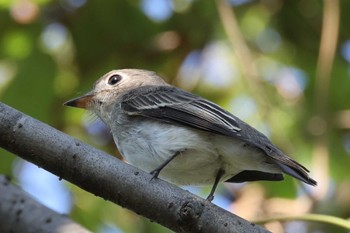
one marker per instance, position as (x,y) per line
(112,179)
(21,213)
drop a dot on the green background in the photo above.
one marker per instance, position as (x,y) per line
(51,51)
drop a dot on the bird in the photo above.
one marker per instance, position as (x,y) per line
(181,137)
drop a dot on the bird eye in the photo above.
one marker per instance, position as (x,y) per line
(114,79)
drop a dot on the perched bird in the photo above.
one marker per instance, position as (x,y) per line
(183,138)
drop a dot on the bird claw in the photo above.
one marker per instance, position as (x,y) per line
(154,174)
(210,197)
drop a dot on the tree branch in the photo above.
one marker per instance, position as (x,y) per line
(112,179)
(21,213)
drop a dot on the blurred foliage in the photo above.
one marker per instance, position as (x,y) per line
(51,51)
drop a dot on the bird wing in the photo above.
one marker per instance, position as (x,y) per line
(170,104)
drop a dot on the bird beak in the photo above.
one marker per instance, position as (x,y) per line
(80,102)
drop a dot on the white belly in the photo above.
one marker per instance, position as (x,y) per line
(147,146)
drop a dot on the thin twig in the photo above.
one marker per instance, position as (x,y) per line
(250,74)
(308,217)
(329,37)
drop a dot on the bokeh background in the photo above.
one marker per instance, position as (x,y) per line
(282,66)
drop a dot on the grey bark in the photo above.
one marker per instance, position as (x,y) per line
(113,180)
(21,213)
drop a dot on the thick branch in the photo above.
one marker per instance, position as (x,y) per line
(111,179)
(21,213)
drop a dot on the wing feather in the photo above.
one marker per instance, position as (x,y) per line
(169,103)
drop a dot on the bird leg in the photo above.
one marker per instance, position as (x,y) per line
(220,173)
(156,171)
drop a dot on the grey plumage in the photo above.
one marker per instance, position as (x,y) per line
(173,105)
(190,139)
(170,104)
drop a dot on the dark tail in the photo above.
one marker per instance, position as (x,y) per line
(296,170)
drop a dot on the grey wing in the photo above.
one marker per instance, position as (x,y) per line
(170,104)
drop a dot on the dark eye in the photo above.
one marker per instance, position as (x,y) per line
(114,79)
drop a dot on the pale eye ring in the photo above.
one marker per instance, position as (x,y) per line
(114,79)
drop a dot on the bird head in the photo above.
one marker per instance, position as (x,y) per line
(114,84)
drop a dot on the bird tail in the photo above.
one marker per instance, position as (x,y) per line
(296,170)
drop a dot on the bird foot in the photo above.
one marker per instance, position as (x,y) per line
(210,197)
(155,173)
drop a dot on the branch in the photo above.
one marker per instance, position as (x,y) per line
(320,122)
(112,179)
(309,217)
(252,79)
(19,212)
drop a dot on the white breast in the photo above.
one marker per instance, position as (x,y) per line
(149,143)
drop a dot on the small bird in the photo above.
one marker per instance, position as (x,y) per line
(183,138)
